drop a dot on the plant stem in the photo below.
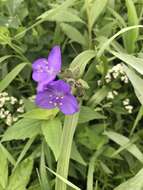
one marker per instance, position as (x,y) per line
(69,127)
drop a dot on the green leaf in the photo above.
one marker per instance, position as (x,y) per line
(13,5)
(25,128)
(3,169)
(7,154)
(63,179)
(20,177)
(137,83)
(45,185)
(136,63)
(131,37)
(73,33)
(87,114)
(134,183)
(4,58)
(60,15)
(10,76)
(108,42)
(11,22)
(98,96)
(52,131)
(95,11)
(40,114)
(80,62)
(75,155)
(124,142)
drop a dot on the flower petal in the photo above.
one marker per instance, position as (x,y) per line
(43,100)
(42,72)
(43,77)
(54,59)
(69,105)
(60,86)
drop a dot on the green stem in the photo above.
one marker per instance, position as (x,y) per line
(91,168)
(66,144)
(89,25)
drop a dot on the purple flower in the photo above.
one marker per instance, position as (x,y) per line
(57,94)
(46,69)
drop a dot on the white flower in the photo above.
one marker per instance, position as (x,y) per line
(6,113)
(2,115)
(13,100)
(32,98)
(9,120)
(99,82)
(7,98)
(15,119)
(115,75)
(115,92)
(21,101)
(129,108)
(2,102)
(126,101)
(110,95)
(20,109)
(4,94)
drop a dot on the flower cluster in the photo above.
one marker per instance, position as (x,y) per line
(112,94)
(52,93)
(115,72)
(127,105)
(10,108)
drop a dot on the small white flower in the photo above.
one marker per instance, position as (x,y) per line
(129,108)
(21,101)
(99,82)
(20,109)
(2,115)
(4,94)
(115,92)
(6,113)
(32,98)
(110,95)
(2,102)
(13,100)
(7,98)
(15,119)
(115,75)
(9,120)
(108,80)
(126,101)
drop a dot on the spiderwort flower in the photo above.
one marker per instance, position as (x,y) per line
(46,69)
(57,94)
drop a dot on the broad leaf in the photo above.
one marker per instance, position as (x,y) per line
(10,76)
(80,62)
(126,144)
(137,83)
(3,169)
(87,114)
(52,131)
(131,37)
(21,175)
(75,155)
(134,183)
(136,63)
(40,113)
(25,128)
(96,9)
(73,33)
(60,15)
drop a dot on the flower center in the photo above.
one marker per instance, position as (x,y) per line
(56,100)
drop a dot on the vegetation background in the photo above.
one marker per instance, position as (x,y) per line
(102,54)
